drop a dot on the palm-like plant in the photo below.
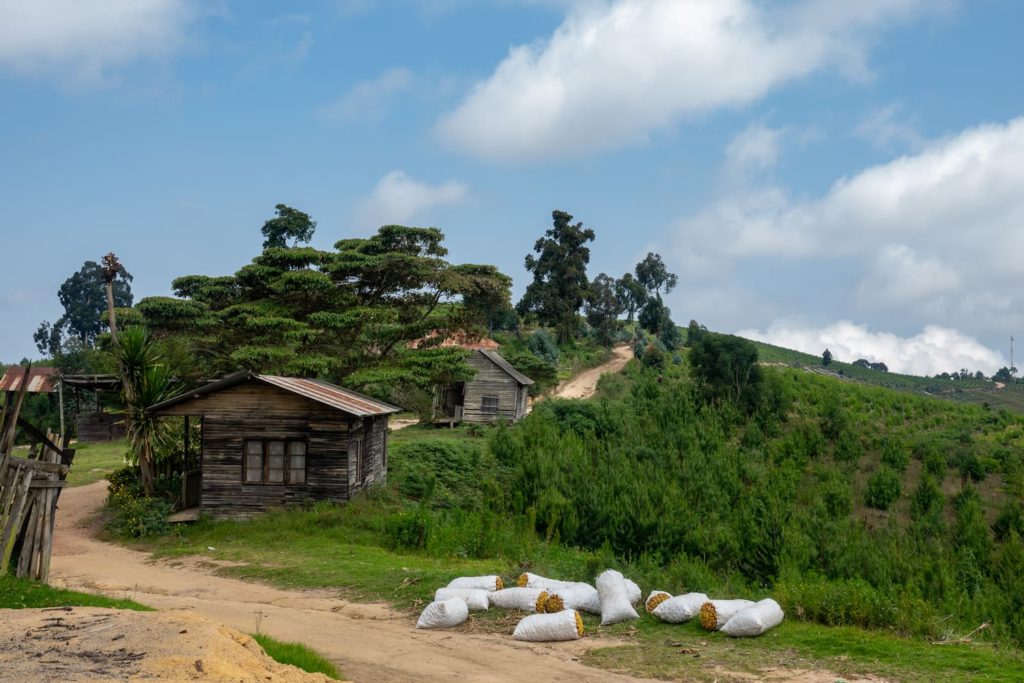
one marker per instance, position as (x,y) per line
(145,381)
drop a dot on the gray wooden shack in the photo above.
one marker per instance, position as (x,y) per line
(270,441)
(496,393)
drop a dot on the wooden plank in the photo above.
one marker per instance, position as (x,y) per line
(47,484)
(34,432)
(38,465)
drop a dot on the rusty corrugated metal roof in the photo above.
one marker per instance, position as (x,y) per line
(317,390)
(332,395)
(41,380)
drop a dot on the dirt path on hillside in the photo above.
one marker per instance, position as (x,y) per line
(584,385)
(369,642)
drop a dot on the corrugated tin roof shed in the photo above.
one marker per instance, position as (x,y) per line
(41,380)
(317,390)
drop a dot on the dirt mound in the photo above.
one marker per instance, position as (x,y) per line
(93,644)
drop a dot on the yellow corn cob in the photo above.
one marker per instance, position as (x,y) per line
(709,616)
(522,580)
(579,623)
(656,600)
(553,604)
(541,599)
(498,584)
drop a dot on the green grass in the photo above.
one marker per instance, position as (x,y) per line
(22,593)
(94,461)
(687,652)
(297,655)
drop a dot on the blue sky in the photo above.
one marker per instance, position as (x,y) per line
(818,172)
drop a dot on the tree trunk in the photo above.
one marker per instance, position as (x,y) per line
(111,317)
(146,471)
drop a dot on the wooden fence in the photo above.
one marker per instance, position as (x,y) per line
(29,489)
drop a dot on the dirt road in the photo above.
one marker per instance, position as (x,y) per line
(584,385)
(369,642)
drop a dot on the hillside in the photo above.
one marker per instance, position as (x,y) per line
(982,392)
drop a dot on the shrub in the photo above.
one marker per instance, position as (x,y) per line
(131,514)
(884,488)
(543,345)
(935,463)
(895,455)
(406,530)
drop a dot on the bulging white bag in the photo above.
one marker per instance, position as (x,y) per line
(487,583)
(655,599)
(578,596)
(634,592)
(681,608)
(754,620)
(615,603)
(443,614)
(475,598)
(518,597)
(714,613)
(528,580)
(542,628)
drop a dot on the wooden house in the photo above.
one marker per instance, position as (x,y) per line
(271,441)
(496,393)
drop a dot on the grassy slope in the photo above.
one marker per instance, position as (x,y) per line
(94,461)
(340,547)
(297,655)
(21,593)
(969,391)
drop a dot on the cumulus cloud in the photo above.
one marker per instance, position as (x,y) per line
(367,100)
(933,351)
(399,198)
(934,236)
(888,128)
(614,72)
(81,42)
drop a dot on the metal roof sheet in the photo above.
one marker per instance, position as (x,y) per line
(332,395)
(41,380)
(317,390)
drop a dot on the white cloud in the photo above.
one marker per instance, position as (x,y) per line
(934,350)
(615,72)
(756,147)
(398,198)
(888,128)
(367,100)
(932,237)
(81,41)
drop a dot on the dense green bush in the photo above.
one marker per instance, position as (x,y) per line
(130,513)
(884,488)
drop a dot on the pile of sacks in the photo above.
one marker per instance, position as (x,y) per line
(556,606)
(739,618)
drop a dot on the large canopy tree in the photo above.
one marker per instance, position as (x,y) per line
(559,269)
(347,315)
(84,298)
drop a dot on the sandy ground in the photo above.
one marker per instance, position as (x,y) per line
(92,644)
(369,642)
(584,384)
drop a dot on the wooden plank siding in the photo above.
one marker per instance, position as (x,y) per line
(490,380)
(255,410)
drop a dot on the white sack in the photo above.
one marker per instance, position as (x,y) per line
(443,614)
(579,596)
(475,598)
(660,596)
(541,628)
(754,620)
(725,610)
(634,592)
(487,583)
(681,608)
(615,603)
(524,599)
(537,581)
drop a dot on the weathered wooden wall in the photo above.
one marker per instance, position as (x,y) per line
(94,427)
(261,411)
(490,380)
(373,431)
